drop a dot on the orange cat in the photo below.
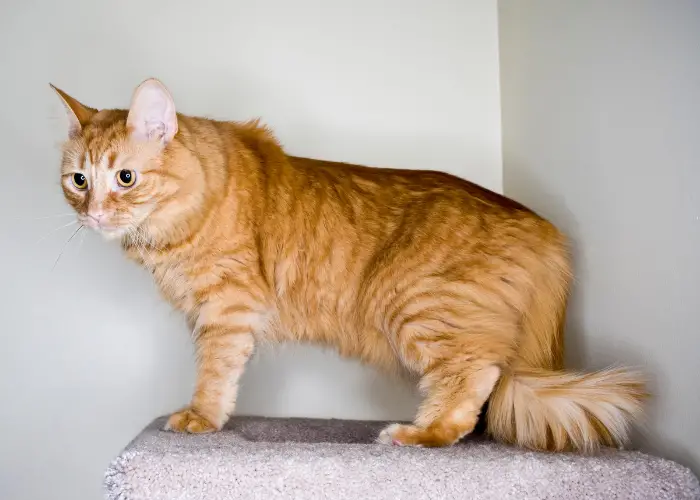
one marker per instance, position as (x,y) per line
(414,270)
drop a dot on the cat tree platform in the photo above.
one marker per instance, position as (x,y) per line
(261,458)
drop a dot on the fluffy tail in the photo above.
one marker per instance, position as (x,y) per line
(557,410)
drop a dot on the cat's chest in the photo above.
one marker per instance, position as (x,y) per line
(173,278)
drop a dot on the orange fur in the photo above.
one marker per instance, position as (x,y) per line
(414,270)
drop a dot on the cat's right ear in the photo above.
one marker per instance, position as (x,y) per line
(152,113)
(78,114)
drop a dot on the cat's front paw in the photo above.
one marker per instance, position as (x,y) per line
(188,420)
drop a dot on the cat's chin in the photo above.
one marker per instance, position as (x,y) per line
(112,234)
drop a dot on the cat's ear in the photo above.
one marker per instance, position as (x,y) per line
(78,114)
(152,113)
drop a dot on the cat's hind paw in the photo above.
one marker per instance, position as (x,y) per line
(399,435)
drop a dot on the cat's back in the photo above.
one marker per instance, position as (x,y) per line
(427,211)
(403,186)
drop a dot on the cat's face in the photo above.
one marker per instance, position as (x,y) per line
(112,170)
(112,183)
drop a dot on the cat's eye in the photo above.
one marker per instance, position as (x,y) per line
(79,181)
(126,178)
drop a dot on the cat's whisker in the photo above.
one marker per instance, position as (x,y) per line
(55,230)
(64,246)
(80,243)
(140,244)
(150,259)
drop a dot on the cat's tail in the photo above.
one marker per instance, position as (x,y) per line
(560,410)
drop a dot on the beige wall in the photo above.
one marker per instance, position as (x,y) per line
(601,133)
(89,353)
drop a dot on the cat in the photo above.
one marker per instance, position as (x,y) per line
(407,270)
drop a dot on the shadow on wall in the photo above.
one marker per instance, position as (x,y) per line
(579,354)
(297,380)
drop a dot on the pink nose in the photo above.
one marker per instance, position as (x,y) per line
(96,218)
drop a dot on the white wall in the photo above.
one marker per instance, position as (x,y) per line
(601,132)
(89,353)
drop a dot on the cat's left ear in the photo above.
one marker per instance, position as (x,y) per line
(78,114)
(152,113)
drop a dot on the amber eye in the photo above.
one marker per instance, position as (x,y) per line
(126,178)
(79,181)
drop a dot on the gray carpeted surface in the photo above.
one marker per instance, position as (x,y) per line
(317,459)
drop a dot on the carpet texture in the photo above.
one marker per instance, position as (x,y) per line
(259,458)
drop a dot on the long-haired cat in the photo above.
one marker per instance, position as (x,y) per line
(413,270)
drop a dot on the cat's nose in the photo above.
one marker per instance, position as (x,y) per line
(96,218)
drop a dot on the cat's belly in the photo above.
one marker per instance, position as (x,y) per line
(329,324)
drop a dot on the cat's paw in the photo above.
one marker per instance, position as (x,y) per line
(189,421)
(400,435)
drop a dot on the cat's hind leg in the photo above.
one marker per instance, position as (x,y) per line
(451,409)
(459,357)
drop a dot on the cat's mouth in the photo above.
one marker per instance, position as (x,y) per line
(108,229)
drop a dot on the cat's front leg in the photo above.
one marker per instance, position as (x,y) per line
(224,342)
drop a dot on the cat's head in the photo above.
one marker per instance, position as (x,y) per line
(118,170)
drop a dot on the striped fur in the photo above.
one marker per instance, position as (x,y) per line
(415,271)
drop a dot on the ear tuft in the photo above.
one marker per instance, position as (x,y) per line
(152,114)
(78,114)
